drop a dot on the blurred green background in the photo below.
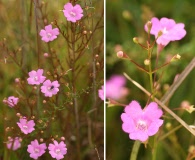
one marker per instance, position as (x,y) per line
(125,19)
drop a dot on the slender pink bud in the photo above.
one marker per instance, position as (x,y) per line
(149,25)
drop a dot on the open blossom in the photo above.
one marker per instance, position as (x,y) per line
(50,88)
(49,34)
(13,143)
(57,150)
(35,77)
(11,101)
(36,150)
(73,13)
(26,126)
(140,124)
(115,87)
(171,31)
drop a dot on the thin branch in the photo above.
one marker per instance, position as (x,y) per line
(179,80)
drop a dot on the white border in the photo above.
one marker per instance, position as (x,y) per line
(104,79)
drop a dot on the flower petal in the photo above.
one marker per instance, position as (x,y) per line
(68,7)
(128,123)
(133,109)
(154,127)
(138,135)
(152,111)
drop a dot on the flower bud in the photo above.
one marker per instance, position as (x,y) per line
(98,64)
(84,32)
(20,139)
(62,138)
(120,54)
(32,117)
(168,125)
(17,80)
(46,55)
(146,62)
(149,25)
(175,58)
(96,56)
(18,114)
(135,40)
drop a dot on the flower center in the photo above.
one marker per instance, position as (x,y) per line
(141,125)
(49,35)
(25,127)
(50,88)
(36,150)
(165,31)
(35,78)
(57,151)
(72,14)
(11,101)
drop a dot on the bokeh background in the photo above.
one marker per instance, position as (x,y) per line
(125,19)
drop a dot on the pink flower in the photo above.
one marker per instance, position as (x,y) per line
(35,77)
(57,150)
(140,124)
(50,88)
(26,126)
(49,34)
(171,31)
(11,101)
(73,13)
(13,144)
(35,149)
(101,93)
(115,87)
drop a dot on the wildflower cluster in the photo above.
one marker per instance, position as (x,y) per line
(140,123)
(49,93)
(56,150)
(49,88)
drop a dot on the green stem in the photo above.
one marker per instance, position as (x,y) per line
(6,155)
(152,91)
(154,148)
(135,150)
(151,79)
